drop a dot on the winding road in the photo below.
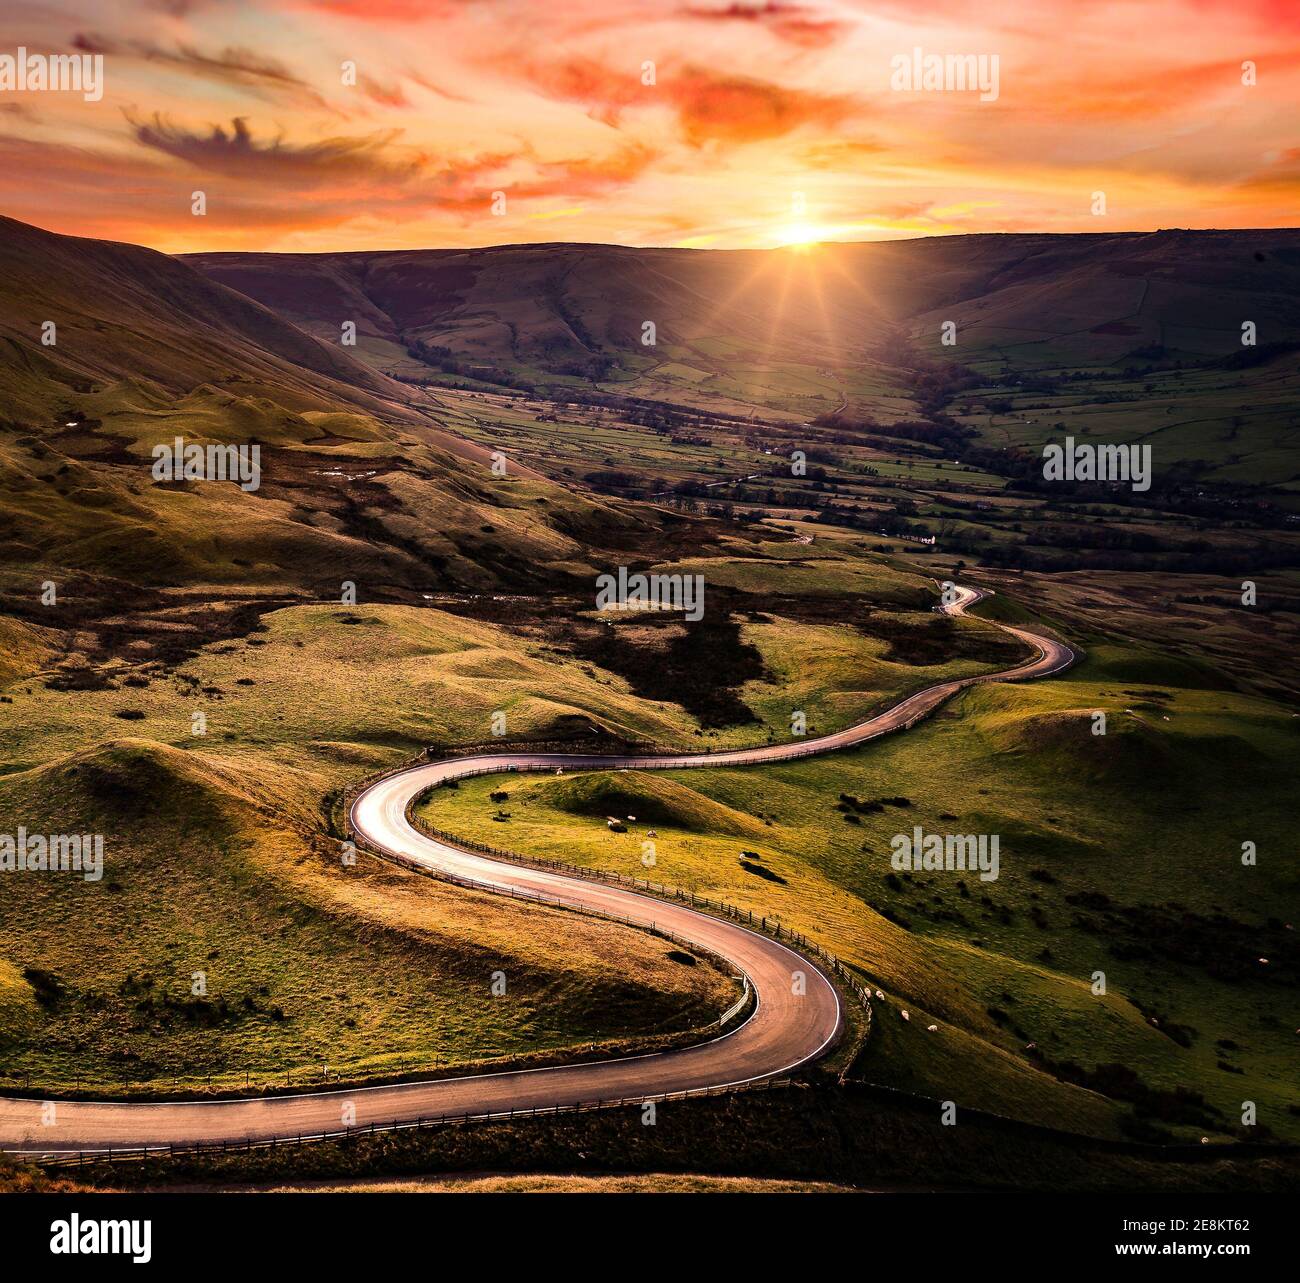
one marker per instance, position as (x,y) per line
(796,1016)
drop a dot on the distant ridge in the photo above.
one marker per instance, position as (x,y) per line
(549,306)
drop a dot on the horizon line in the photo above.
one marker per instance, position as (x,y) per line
(681,249)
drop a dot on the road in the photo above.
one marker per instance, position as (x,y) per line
(797,1015)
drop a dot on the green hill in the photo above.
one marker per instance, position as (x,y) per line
(304,961)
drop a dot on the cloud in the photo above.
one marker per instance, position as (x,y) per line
(375,174)
(389,10)
(232,66)
(19,111)
(467,185)
(709,107)
(841,153)
(589,175)
(386,95)
(796,23)
(236,153)
(1157,92)
(753,97)
(180,8)
(737,109)
(604,93)
(134,195)
(433,87)
(1278,180)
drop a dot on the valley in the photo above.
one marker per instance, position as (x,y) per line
(217,667)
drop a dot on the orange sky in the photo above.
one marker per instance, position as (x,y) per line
(767,120)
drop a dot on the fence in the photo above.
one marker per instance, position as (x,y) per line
(85,1158)
(746,917)
(265,1085)
(738,1006)
(1177,1152)
(664,757)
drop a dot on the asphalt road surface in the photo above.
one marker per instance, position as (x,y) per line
(797,1015)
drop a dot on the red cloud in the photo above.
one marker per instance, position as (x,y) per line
(388,10)
(603,92)
(736,109)
(710,107)
(588,175)
(796,23)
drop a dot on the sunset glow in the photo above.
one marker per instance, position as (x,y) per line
(649,124)
(800,235)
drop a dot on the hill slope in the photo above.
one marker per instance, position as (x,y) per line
(122,311)
(359,482)
(550,306)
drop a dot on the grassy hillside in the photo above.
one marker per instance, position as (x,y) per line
(124,311)
(305,962)
(358,482)
(797,335)
(340,499)
(230,855)
(1120,853)
(544,306)
(475,594)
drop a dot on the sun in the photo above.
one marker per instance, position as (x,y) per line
(800,236)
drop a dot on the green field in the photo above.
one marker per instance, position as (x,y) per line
(231,856)
(204,689)
(1148,888)
(215,862)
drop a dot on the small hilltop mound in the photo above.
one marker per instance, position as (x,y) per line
(1137,749)
(652,798)
(128,779)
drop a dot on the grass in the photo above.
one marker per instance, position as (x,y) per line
(1234,424)
(809,1134)
(215,861)
(305,961)
(383,498)
(808,576)
(1192,628)
(540,1183)
(24,649)
(334,689)
(1119,853)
